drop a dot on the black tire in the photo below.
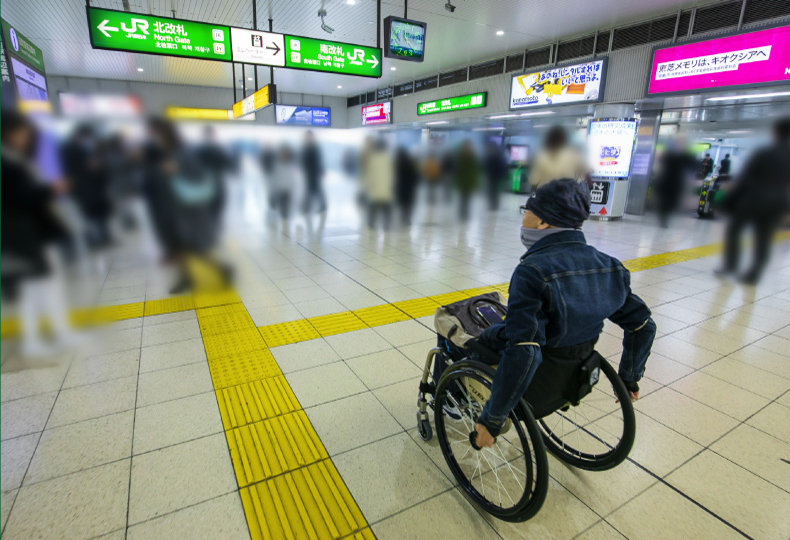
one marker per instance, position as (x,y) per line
(521,447)
(596,442)
(424,429)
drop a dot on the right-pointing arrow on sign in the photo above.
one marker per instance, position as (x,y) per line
(374,61)
(106,29)
(276,49)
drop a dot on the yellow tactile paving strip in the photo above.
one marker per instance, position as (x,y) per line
(258,400)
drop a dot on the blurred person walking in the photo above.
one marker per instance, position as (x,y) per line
(217,163)
(432,173)
(760,198)
(406,181)
(313,167)
(467,178)
(378,182)
(557,159)
(159,161)
(283,178)
(30,229)
(724,166)
(706,167)
(496,172)
(676,165)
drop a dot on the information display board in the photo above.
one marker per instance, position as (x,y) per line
(758,58)
(380,113)
(21,47)
(405,39)
(263,97)
(470,101)
(559,86)
(254,47)
(123,31)
(610,144)
(332,56)
(303,116)
(86,105)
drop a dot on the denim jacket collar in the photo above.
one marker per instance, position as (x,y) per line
(560,237)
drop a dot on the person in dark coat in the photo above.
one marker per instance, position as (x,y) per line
(677,164)
(159,165)
(217,162)
(724,167)
(707,166)
(406,180)
(313,167)
(496,172)
(467,178)
(760,198)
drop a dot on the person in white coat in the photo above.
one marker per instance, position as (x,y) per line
(378,183)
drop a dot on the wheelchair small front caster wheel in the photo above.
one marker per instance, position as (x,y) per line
(424,428)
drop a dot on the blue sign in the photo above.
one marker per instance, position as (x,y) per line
(303,116)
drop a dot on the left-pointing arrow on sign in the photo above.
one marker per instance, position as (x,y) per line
(106,29)
(276,49)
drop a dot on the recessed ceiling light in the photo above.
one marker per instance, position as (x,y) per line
(392,68)
(536,113)
(749,96)
(500,32)
(351,2)
(741,131)
(503,116)
(436,123)
(249,78)
(139,69)
(489,129)
(339,86)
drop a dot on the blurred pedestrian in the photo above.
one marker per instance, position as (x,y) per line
(283,178)
(724,166)
(676,165)
(378,182)
(467,178)
(496,172)
(432,173)
(406,181)
(160,164)
(313,168)
(760,198)
(706,167)
(30,229)
(557,159)
(217,163)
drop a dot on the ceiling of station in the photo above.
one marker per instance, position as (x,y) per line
(453,40)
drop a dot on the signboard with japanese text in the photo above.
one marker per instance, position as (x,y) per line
(8,90)
(560,85)
(261,98)
(470,101)
(255,47)
(21,47)
(758,58)
(303,116)
(332,57)
(123,31)
(380,113)
(610,144)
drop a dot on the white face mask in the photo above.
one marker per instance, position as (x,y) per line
(530,236)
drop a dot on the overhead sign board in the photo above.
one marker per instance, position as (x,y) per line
(405,39)
(470,101)
(261,98)
(21,47)
(123,31)
(759,58)
(303,116)
(380,113)
(560,85)
(191,113)
(332,57)
(254,47)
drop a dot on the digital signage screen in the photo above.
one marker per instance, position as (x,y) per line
(294,115)
(380,113)
(757,58)
(405,39)
(30,84)
(560,85)
(610,144)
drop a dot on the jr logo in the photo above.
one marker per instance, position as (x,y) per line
(357,57)
(142,24)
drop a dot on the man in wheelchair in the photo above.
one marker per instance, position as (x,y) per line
(560,294)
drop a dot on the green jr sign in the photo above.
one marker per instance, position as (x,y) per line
(123,31)
(332,56)
(470,101)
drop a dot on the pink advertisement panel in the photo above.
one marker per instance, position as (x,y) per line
(754,58)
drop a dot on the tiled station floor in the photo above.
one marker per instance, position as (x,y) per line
(130,437)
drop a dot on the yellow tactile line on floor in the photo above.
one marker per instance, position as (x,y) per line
(288,485)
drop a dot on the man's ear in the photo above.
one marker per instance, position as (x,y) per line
(542,226)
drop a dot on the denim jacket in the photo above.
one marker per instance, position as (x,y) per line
(560,294)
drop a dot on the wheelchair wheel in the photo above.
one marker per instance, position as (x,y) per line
(598,434)
(508,480)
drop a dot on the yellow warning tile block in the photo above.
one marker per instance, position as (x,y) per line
(312,502)
(477,291)
(273,447)
(216,299)
(381,315)
(288,332)
(242,368)
(448,298)
(233,343)
(10,327)
(255,401)
(220,310)
(419,307)
(169,305)
(122,312)
(337,323)
(234,321)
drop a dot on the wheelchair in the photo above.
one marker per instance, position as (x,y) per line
(593,430)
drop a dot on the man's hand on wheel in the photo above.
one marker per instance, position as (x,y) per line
(484,438)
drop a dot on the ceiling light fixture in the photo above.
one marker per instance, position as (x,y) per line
(436,123)
(249,78)
(536,113)
(351,2)
(139,69)
(749,96)
(339,86)
(489,128)
(741,131)
(503,116)
(392,68)
(500,32)
(708,139)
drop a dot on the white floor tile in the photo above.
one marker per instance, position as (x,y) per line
(176,421)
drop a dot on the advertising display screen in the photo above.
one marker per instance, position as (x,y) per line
(303,116)
(559,86)
(519,154)
(30,84)
(405,39)
(332,57)
(470,101)
(755,58)
(123,31)
(380,113)
(610,144)
(254,47)
(100,105)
